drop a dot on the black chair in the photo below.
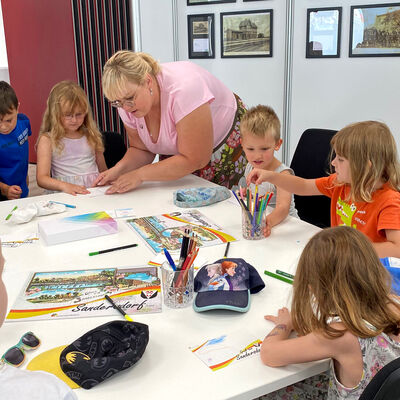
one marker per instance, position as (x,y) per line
(114,148)
(385,385)
(311,160)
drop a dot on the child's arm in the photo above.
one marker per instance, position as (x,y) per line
(290,183)
(44,152)
(281,210)
(277,350)
(11,192)
(100,161)
(390,248)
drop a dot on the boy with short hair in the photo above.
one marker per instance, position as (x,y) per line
(21,384)
(15,129)
(260,137)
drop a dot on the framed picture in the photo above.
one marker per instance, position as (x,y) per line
(246,34)
(198,2)
(323,32)
(201,36)
(375,30)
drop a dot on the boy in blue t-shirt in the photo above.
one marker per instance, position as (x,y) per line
(14,150)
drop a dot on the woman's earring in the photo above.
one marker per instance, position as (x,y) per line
(151,92)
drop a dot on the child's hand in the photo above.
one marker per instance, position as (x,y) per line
(283,318)
(258,176)
(267,227)
(13,192)
(74,189)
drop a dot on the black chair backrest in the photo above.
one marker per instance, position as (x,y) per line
(385,385)
(311,160)
(114,148)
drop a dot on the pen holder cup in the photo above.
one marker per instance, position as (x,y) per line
(177,286)
(253,226)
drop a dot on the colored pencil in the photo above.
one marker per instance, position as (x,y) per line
(281,278)
(94,253)
(170,260)
(227,249)
(64,204)
(126,316)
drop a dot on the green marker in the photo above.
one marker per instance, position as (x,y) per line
(9,215)
(283,273)
(281,278)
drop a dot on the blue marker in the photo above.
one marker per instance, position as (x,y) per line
(169,258)
(64,204)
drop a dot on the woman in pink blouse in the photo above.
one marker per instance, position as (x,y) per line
(177,110)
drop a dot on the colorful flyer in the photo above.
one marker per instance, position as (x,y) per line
(167,230)
(227,349)
(80,293)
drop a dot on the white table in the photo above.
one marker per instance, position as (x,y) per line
(167,370)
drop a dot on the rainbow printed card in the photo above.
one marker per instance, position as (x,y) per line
(167,230)
(77,227)
(219,352)
(80,293)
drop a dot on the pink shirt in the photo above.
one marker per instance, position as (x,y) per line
(184,86)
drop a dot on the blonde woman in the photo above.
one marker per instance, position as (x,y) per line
(70,147)
(177,110)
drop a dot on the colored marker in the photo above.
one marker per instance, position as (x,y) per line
(126,316)
(9,215)
(170,260)
(283,273)
(281,278)
(113,249)
(64,204)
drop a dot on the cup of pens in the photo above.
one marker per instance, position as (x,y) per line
(253,224)
(177,286)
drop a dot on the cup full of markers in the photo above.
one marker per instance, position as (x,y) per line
(177,277)
(253,212)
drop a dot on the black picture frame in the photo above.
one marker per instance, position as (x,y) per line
(201,35)
(202,2)
(246,33)
(375,30)
(324,27)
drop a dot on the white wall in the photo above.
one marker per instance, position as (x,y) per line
(331,93)
(4,76)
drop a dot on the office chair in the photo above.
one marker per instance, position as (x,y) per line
(311,160)
(385,385)
(114,148)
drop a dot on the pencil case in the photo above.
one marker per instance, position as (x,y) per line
(199,197)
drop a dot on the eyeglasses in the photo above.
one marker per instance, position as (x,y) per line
(128,101)
(16,355)
(70,117)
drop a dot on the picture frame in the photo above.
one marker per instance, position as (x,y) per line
(323,32)
(202,2)
(246,33)
(375,30)
(201,35)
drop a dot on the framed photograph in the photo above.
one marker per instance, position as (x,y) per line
(375,30)
(323,32)
(246,34)
(198,2)
(201,36)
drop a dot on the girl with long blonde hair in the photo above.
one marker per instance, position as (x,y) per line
(70,146)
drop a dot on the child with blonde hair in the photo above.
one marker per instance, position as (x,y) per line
(364,189)
(70,146)
(342,309)
(260,137)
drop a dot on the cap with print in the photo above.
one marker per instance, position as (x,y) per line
(226,284)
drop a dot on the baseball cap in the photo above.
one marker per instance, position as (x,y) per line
(226,284)
(97,355)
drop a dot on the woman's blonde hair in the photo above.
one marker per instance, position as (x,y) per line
(127,67)
(261,121)
(339,275)
(65,97)
(371,150)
